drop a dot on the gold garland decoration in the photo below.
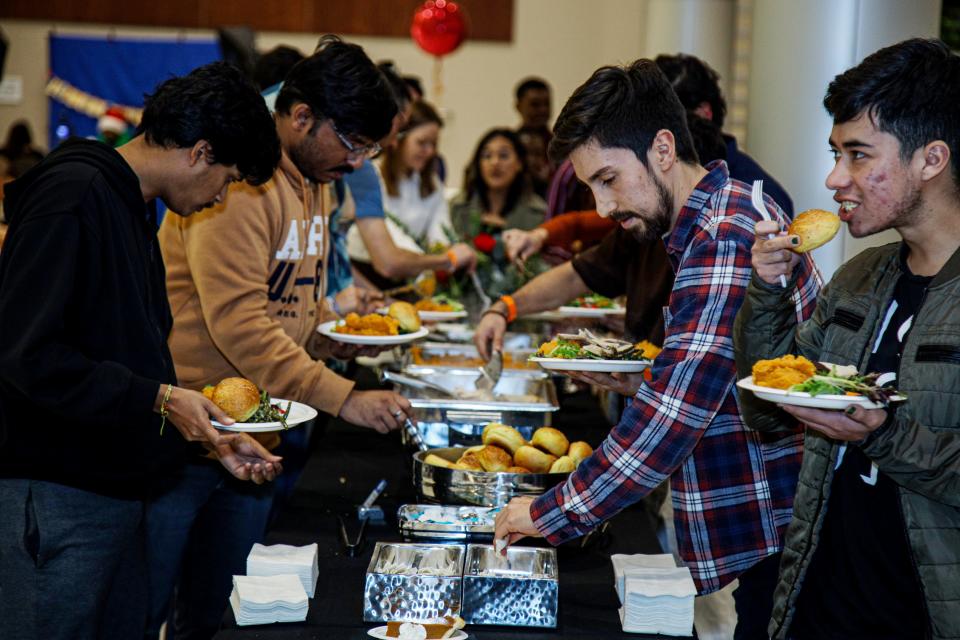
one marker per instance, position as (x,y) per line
(85,103)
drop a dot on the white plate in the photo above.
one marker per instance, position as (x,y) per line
(584,312)
(327,329)
(381,632)
(804,399)
(299,413)
(599,366)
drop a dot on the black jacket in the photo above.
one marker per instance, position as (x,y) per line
(84,321)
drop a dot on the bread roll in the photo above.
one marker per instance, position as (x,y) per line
(518,470)
(503,436)
(579,451)
(469,462)
(406,315)
(494,458)
(815,227)
(534,459)
(437,461)
(238,397)
(563,464)
(550,440)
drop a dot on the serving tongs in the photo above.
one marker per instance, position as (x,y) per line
(417,383)
(490,373)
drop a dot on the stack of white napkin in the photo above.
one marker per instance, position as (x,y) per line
(267,599)
(282,559)
(657,596)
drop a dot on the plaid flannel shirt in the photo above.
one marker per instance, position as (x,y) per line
(732,487)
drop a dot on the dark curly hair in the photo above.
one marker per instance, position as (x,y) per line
(473,183)
(341,83)
(695,83)
(622,107)
(218,104)
(909,90)
(272,67)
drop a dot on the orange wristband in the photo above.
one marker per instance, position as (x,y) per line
(452,257)
(511,307)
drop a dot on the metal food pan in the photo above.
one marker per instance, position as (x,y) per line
(483,488)
(521,589)
(394,590)
(453,355)
(433,522)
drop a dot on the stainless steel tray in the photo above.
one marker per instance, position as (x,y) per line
(454,355)
(521,589)
(433,522)
(396,590)
(525,402)
(484,488)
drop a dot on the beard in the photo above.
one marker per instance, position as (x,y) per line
(654,224)
(305,157)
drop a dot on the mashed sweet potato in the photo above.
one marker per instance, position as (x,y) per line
(783,372)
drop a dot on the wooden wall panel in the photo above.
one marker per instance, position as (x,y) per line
(489,19)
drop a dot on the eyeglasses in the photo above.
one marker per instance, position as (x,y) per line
(356,151)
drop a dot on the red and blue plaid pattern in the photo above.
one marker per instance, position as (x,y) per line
(732,487)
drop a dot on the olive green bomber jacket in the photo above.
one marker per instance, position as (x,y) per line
(919,448)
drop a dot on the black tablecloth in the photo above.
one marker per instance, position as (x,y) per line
(345,466)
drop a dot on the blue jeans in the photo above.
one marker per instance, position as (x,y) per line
(71,563)
(199,533)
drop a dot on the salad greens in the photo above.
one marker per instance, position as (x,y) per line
(830,381)
(269,412)
(593,301)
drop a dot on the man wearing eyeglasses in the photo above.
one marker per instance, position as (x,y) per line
(247,284)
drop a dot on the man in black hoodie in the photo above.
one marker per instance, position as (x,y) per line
(90,416)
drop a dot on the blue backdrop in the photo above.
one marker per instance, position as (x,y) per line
(119,71)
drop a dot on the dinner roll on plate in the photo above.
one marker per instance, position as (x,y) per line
(238,397)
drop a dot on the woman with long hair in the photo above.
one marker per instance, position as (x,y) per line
(414,193)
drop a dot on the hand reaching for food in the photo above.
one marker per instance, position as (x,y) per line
(514,523)
(521,245)
(466,257)
(383,411)
(354,299)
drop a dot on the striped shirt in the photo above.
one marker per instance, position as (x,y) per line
(732,487)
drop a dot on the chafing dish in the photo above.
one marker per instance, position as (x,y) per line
(413,582)
(458,486)
(452,355)
(433,522)
(521,589)
(521,400)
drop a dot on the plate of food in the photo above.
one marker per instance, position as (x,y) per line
(796,381)
(439,308)
(400,325)
(585,351)
(253,409)
(591,306)
(449,627)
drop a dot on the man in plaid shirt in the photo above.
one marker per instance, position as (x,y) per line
(626,134)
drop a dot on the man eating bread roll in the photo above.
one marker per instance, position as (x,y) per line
(873,551)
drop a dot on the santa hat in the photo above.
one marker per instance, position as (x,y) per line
(112,120)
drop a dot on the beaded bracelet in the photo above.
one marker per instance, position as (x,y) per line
(164,412)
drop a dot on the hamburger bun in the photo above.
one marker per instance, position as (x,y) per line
(238,397)
(534,459)
(494,458)
(579,451)
(503,436)
(563,464)
(815,227)
(406,315)
(550,440)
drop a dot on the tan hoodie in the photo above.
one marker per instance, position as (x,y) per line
(246,282)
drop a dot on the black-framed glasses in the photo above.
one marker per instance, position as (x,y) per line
(356,151)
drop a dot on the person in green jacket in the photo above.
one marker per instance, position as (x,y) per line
(873,550)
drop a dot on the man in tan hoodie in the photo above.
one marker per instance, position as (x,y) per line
(246,283)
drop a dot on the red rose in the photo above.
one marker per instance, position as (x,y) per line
(484,242)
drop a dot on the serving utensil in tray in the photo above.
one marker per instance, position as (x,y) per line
(413,582)
(520,589)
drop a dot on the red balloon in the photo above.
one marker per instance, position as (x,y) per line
(439,26)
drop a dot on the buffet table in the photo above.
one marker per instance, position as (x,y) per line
(345,466)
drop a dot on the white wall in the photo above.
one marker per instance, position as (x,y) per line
(561,40)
